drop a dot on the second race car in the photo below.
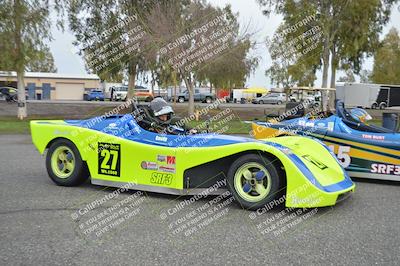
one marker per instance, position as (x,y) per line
(365,151)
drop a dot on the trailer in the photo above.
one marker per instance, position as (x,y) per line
(372,96)
(246,95)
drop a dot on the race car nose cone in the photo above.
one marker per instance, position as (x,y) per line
(259,175)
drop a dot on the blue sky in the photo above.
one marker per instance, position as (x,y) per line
(68,62)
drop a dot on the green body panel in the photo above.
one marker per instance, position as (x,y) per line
(133,154)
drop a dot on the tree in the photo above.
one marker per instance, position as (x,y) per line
(44,62)
(279,75)
(365,76)
(348,78)
(24,28)
(230,69)
(387,60)
(112,36)
(290,65)
(199,41)
(350,30)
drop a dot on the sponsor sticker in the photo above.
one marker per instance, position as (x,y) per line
(331,126)
(149,165)
(374,137)
(166,168)
(161,158)
(161,138)
(166,159)
(171,160)
(58,132)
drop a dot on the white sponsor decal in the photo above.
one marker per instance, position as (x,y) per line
(331,126)
(57,132)
(149,165)
(373,137)
(163,139)
(388,169)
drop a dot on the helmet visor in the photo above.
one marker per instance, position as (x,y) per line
(164,110)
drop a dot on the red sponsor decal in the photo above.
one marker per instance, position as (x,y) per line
(171,160)
(166,169)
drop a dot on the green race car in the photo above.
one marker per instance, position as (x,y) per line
(115,151)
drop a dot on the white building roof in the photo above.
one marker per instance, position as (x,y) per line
(50,75)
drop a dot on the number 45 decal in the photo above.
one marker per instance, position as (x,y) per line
(342,155)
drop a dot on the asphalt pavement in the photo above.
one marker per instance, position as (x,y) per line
(45,224)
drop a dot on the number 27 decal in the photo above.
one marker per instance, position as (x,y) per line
(109,160)
(106,154)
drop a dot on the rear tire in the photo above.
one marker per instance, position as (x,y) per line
(181,99)
(249,192)
(382,106)
(208,100)
(64,164)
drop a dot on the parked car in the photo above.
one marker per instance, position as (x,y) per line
(95,95)
(198,96)
(272,98)
(9,94)
(141,94)
(120,93)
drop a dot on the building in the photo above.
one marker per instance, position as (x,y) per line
(52,86)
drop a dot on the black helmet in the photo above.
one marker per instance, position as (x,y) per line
(160,107)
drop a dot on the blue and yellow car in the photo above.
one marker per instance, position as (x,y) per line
(115,151)
(364,150)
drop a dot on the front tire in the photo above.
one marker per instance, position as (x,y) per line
(248,187)
(64,164)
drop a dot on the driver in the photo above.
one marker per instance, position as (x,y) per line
(360,115)
(163,114)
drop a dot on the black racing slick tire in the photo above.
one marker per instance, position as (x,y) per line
(64,164)
(247,186)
